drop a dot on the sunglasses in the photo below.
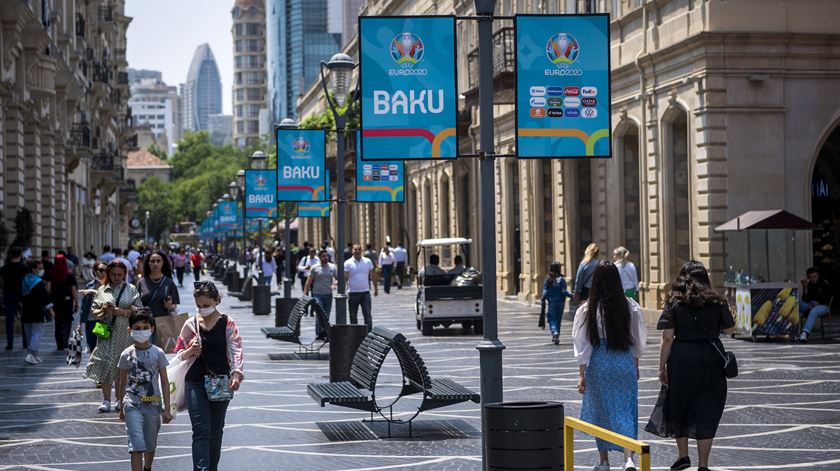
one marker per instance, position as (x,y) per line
(101,270)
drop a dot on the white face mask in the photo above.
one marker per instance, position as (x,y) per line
(206,311)
(141,336)
(40,273)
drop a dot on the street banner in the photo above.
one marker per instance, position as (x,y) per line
(380,181)
(252,225)
(407,80)
(228,217)
(217,229)
(301,156)
(260,193)
(316,209)
(563,86)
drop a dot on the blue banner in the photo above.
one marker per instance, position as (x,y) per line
(260,193)
(316,209)
(301,156)
(408,88)
(563,86)
(379,182)
(228,217)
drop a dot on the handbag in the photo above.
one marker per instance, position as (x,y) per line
(730,363)
(102,329)
(541,322)
(659,424)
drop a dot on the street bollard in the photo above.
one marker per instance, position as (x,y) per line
(262,300)
(524,435)
(344,341)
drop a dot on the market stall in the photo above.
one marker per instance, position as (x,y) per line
(764,307)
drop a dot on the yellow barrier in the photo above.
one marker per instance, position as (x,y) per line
(571,424)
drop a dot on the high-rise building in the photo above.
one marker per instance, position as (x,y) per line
(154,106)
(136,75)
(249,95)
(220,129)
(343,18)
(297,41)
(202,93)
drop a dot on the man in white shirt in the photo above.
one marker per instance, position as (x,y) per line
(360,275)
(132,256)
(386,264)
(401,257)
(306,263)
(433,268)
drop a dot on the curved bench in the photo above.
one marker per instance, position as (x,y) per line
(291,331)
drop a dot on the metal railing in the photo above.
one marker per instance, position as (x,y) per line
(503,56)
(80,136)
(571,424)
(101,73)
(102,161)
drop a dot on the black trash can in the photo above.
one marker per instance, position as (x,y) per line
(233,282)
(282,309)
(524,435)
(262,300)
(344,341)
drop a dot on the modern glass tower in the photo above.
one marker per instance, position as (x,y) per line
(297,41)
(202,91)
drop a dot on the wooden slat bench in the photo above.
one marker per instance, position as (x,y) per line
(291,331)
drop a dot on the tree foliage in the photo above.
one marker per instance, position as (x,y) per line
(24,228)
(158,151)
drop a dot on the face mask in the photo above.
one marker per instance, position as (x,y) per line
(206,311)
(141,336)
(40,273)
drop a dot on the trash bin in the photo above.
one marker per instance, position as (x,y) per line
(262,300)
(282,309)
(344,341)
(524,435)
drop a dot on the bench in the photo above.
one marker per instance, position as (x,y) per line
(291,331)
(360,392)
(247,292)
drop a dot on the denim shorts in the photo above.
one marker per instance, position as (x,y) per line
(142,423)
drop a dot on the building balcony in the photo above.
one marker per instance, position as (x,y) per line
(504,67)
(80,136)
(41,78)
(101,73)
(103,161)
(105,13)
(122,78)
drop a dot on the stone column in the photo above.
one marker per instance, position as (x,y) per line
(656,267)
(33,174)
(505,238)
(533,234)
(49,192)
(14,168)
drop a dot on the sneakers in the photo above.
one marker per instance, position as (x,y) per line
(629,465)
(803,337)
(682,463)
(602,466)
(118,406)
(30,358)
(38,359)
(556,339)
(105,406)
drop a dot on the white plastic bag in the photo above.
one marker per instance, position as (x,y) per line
(177,374)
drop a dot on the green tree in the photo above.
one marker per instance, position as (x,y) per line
(156,198)
(158,151)
(24,228)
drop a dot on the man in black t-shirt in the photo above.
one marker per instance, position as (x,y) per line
(12,273)
(814,300)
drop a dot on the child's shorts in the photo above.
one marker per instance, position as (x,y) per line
(142,423)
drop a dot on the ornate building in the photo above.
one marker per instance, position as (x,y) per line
(249,93)
(65,127)
(719,107)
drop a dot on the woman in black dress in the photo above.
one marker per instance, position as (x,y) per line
(689,365)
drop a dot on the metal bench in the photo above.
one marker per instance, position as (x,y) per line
(247,292)
(360,392)
(291,331)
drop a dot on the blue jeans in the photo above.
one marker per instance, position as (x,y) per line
(208,424)
(813,314)
(34,332)
(267,280)
(325,300)
(386,277)
(554,314)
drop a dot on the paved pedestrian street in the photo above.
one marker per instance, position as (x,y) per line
(783,410)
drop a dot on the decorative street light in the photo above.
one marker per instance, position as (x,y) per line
(146,240)
(233,189)
(240,182)
(340,69)
(259,161)
(287,123)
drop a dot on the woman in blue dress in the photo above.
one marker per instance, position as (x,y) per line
(555,292)
(609,336)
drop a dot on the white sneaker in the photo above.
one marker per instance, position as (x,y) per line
(118,406)
(603,466)
(630,465)
(30,358)
(105,407)
(803,337)
(38,359)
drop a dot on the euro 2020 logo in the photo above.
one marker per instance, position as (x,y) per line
(261,180)
(407,49)
(562,48)
(300,145)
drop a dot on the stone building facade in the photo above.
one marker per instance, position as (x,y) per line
(65,127)
(719,107)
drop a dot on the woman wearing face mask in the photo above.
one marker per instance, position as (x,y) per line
(36,307)
(113,303)
(212,338)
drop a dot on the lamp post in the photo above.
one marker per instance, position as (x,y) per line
(287,123)
(340,68)
(146,239)
(258,161)
(240,182)
(225,234)
(233,190)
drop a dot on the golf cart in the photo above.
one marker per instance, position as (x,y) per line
(446,299)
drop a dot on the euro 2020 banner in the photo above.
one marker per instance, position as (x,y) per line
(260,194)
(228,217)
(316,209)
(562,86)
(381,181)
(301,156)
(408,88)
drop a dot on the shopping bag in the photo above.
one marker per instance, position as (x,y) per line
(658,423)
(541,322)
(176,372)
(167,330)
(75,347)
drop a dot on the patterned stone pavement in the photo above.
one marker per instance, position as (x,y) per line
(782,412)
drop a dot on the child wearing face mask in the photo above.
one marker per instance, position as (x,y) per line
(143,386)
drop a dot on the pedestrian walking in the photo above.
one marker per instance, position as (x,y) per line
(269,266)
(401,258)
(13,273)
(330,251)
(142,387)
(180,265)
(37,308)
(320,284)
(65,298)
(195,261)
(305,265)
(629,277)
(554,294)
(360,275)
(386,264)
(157,289)
(86,272)
(212,338)
(348,252)
(583,279)
(129,277)
(609,336)
(113,303)
(101,271)
(691,361)
(279,259)
(370,254)
(107,254)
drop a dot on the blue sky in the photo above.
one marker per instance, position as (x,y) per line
(165,33)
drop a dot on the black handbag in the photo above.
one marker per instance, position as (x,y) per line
(658,424)
(730,363)
(541,322)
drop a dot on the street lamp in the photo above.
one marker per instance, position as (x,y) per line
(240,182)
(287,123)
(146,239)
(340,69)
(258,161)
(233,190)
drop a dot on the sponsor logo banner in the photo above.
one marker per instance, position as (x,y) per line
(380,181)
(301,156)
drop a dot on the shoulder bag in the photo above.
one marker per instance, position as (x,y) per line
(730,363)
(217,386)
(103,329)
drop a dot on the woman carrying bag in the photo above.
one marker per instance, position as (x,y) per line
(100,270)
(211,341)
(113,303)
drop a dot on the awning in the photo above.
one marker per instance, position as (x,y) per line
(293,225)
(766,219)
